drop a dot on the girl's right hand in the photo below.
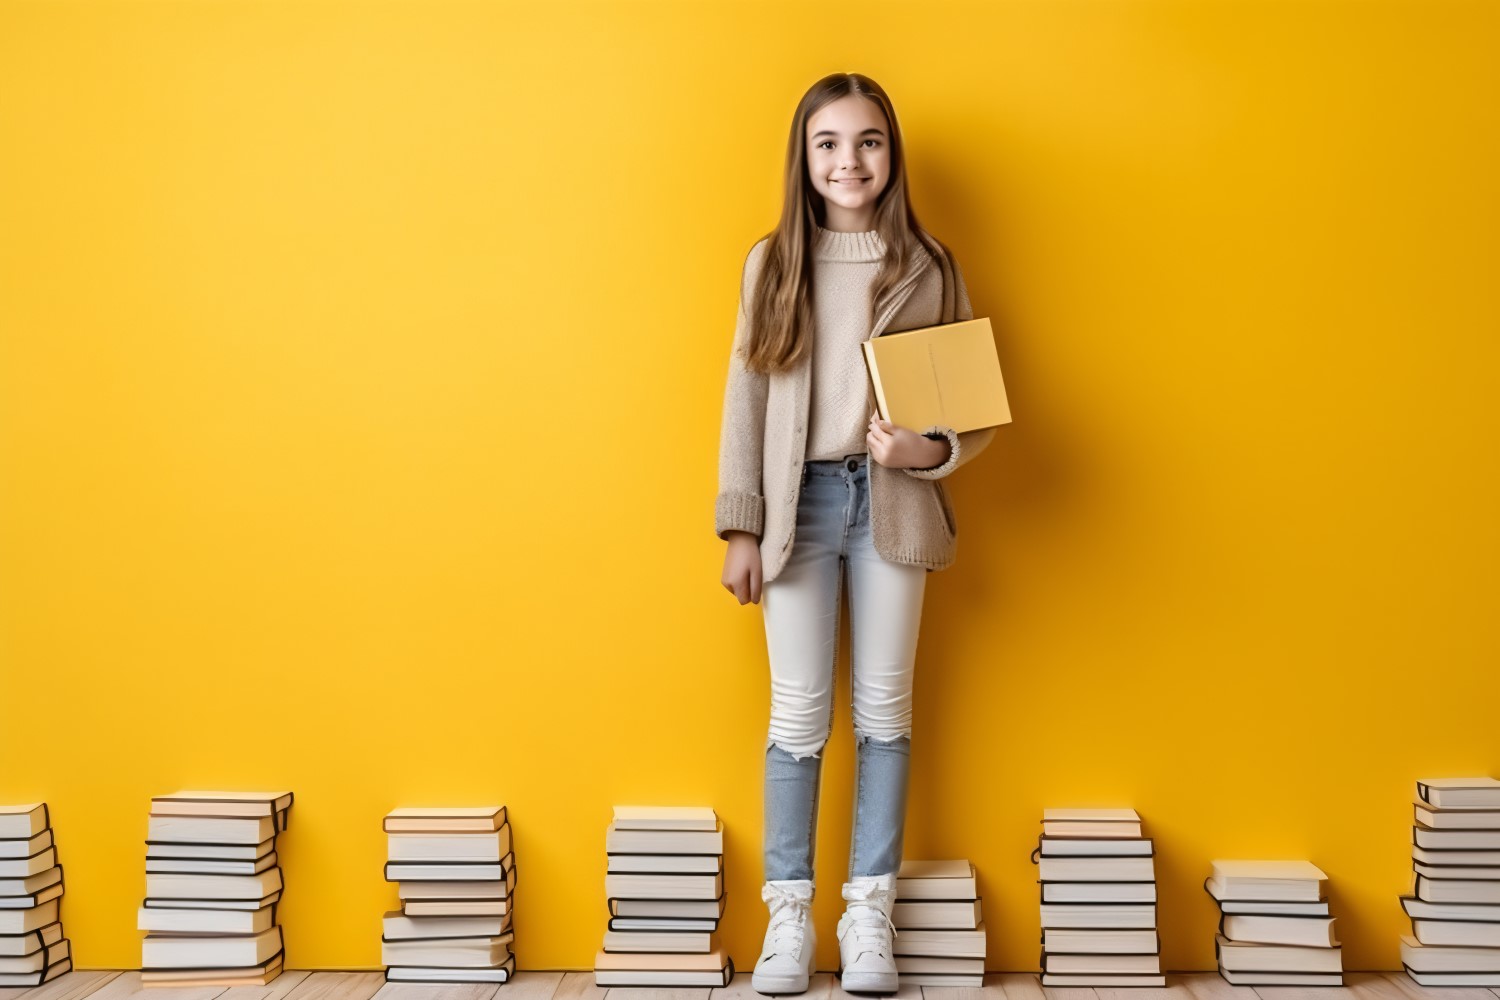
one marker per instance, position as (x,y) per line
(742,567)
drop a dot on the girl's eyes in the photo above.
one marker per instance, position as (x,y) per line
(826,142)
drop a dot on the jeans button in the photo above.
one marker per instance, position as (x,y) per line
(852,464)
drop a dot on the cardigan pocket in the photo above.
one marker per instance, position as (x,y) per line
(946,507)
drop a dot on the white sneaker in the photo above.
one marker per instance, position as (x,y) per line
(865,936)
(786,959)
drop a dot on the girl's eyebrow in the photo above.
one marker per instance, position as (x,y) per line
(867,131)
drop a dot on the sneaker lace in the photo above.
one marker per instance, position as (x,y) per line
(787,924)
(868,924)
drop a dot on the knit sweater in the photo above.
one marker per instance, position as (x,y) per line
(763,437)
(843,271)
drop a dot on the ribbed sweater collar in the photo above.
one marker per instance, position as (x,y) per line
(849,247)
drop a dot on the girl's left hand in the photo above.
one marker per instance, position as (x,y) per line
(901,448)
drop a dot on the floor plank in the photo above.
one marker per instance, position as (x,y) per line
(337,986)
(991,990)
(127,986)
(738,989)
(659,992)
(72,985)
(1176,989)
(1020,985)
(1302,992)
(1404,983)
(532,986)
(578,986)
(1212,986)
(276,989)
(904,992)
(437,991)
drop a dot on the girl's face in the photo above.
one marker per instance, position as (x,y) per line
(849,158)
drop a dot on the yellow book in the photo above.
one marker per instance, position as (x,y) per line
(946,375)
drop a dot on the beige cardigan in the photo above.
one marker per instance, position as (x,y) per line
(763,437)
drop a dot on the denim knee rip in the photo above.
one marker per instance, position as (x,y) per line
(796,750)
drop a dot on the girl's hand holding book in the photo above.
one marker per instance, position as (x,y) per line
(742,567)
(902,448)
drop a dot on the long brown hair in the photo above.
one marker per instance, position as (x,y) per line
(781,313)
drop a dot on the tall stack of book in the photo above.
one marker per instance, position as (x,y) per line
(32,947)
(1455,903)
(1274,927)
(939,927)
(665,884)
(212,884)
(1098,879)
(455,870)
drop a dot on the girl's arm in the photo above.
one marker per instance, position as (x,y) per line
(739,505)
(970,443)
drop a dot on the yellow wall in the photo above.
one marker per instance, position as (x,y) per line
(360,391)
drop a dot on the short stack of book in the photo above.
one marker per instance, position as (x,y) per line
(1455,904)
(212,884)
(665,884)
(32,947)
(939,928)
(1098,879)
(455,870)
(1274,928)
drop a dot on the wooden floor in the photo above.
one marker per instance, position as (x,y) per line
(580,986)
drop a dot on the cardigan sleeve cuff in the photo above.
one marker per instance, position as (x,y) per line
(739,512)
(939,471)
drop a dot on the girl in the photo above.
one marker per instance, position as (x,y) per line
(813,488)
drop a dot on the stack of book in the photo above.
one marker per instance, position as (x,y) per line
(665,884)
(212,884)
(32,947)
(1098,879)
(939,927)
(455,871)
(1274,928)
(1455,904)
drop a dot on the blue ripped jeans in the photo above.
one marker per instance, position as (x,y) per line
(801,609)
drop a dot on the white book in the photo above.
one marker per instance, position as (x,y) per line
(237,887)
(1273,908)
(1240,957)
(957,914)
(1451,819)
(1091,823)
(1420,910)
(205,866)
(420,871)
(458,953)
(165,920)
(31,884)
(937,880)
(38,961)
(228,804)
(26,867)
(211,852)
(664,886)
(928,964)
(439,974)
(913,942)
(214,904)
(23,822)
(209,830)
(666,864)
(664,841)
(1099,892)
(1234,978)
(1451,890)
(1063,941)
(680,909)
(1459,933)
(198,951)
(1480,858)
(445,819)
(1091,847)
(1274,880)
(665,818)
(398,926)
(465,889)
(1308,932)
(27,920)
(661,924)
(1456,840)
(677,942)
(449,847)
(20,945)
(455,907)
(1096,869)
(30,900)
(1104,916)
(1478,873)
(942,980)
(1418,957)
(1148,964)
(1459,793)
(25,847)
